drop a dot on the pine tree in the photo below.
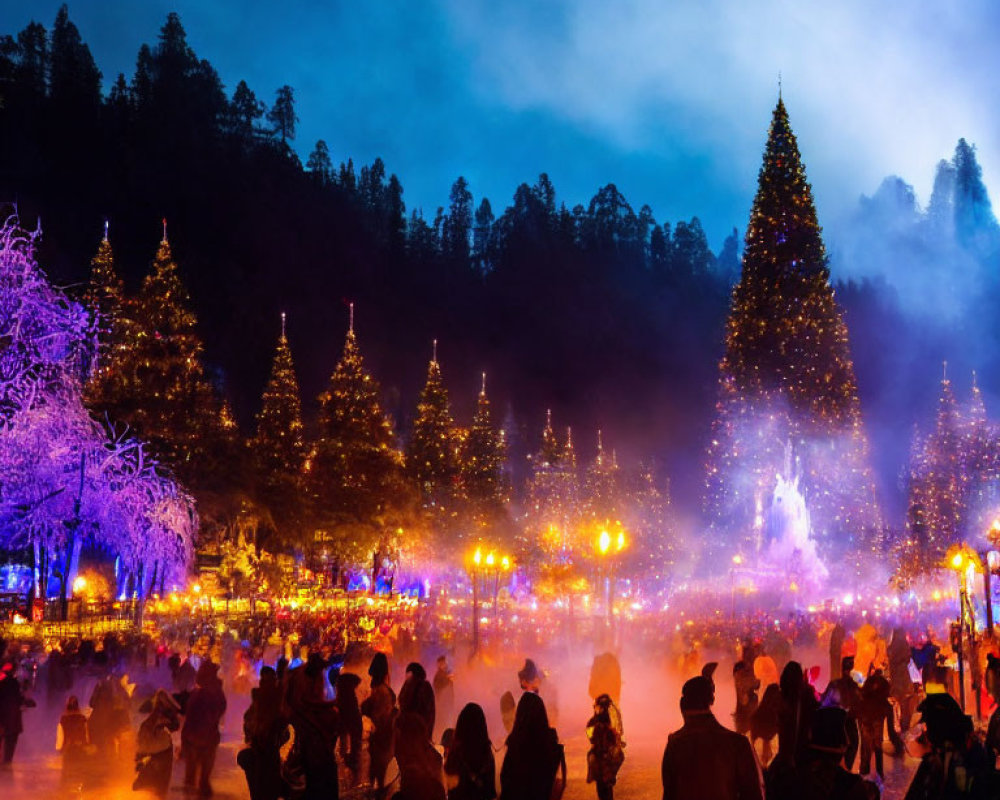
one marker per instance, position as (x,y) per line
(431,458)
(105,297)
(160,387)
(603,488)
(278,448)
(554,499)
(937,494)
(355,468)
(786,375)
(481,471)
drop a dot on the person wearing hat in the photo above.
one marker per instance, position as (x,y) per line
(529,677)
(821,775)
(607,748)
(703,760)
(200,735)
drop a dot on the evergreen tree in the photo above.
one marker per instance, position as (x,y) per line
(159,386)
(603,485)
(355,468)
(483,453)
(105,297)
(553,513)
(319,164)
(787,376)
(457,228)
(431,458)
(278,448)
(282,114)
(938,482)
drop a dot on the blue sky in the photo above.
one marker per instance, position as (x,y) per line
(669,100)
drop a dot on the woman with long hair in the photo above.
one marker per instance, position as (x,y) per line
(380,708)
(470,769)
(534,755)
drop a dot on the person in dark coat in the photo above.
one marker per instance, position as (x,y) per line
(444,693)
(73,731)
(954,764)
(154,745)
(265,730)
(765,723)
(837,636)
(469,767)
(419,762)
(200,735)
(416,696)
(992,742)
(12,703)
(902,689)
(605,677)
(316,726)
(703,760)
(798,703)
(351,726)
(845,693)
(108,717)
(535,759)
(380,708)
(874,713)
(746,685)
(821,776)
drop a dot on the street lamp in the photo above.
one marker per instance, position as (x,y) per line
(609,549)
(480,566)
(965,562)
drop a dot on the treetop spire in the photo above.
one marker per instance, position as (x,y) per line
(483,389)
(350,318)
(164,240)
(434,351)
(105,229)
(283,325)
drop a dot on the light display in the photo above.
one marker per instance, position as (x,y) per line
(153,379)
(355,469)
(66,481)
(278,445)
(481,467)
(432,454)
(786,376)
(554,509)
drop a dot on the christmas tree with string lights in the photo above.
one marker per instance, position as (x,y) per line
(483,452)
(787,376)
(432,453)
(157,384)
(112,310)
(278,448)
(602,486)
(355,469)
(553,514)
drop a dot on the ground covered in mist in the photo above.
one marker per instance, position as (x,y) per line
(651,688)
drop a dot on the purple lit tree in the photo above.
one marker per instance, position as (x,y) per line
(65,481)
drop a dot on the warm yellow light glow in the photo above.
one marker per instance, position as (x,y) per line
(477,557)
(489,559)
(737,559)
(79,584)
(957,560)
(505,563)
(603,542)
(620,543)
(196,588)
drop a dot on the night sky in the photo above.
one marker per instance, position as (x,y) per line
(670,101)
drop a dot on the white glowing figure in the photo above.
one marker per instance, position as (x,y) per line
(790,547)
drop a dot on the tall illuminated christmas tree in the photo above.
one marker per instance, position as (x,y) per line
(432,454)
(355,470)
(278,448)
(157,383)
(786,377)
(602,485)
(553,518)
(481,465)
(112,310)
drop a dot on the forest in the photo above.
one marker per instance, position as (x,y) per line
(612,319)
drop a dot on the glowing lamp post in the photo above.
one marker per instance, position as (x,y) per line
(965,562)
(608,549)
(480,567)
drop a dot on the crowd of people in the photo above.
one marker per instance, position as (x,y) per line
(323,721)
